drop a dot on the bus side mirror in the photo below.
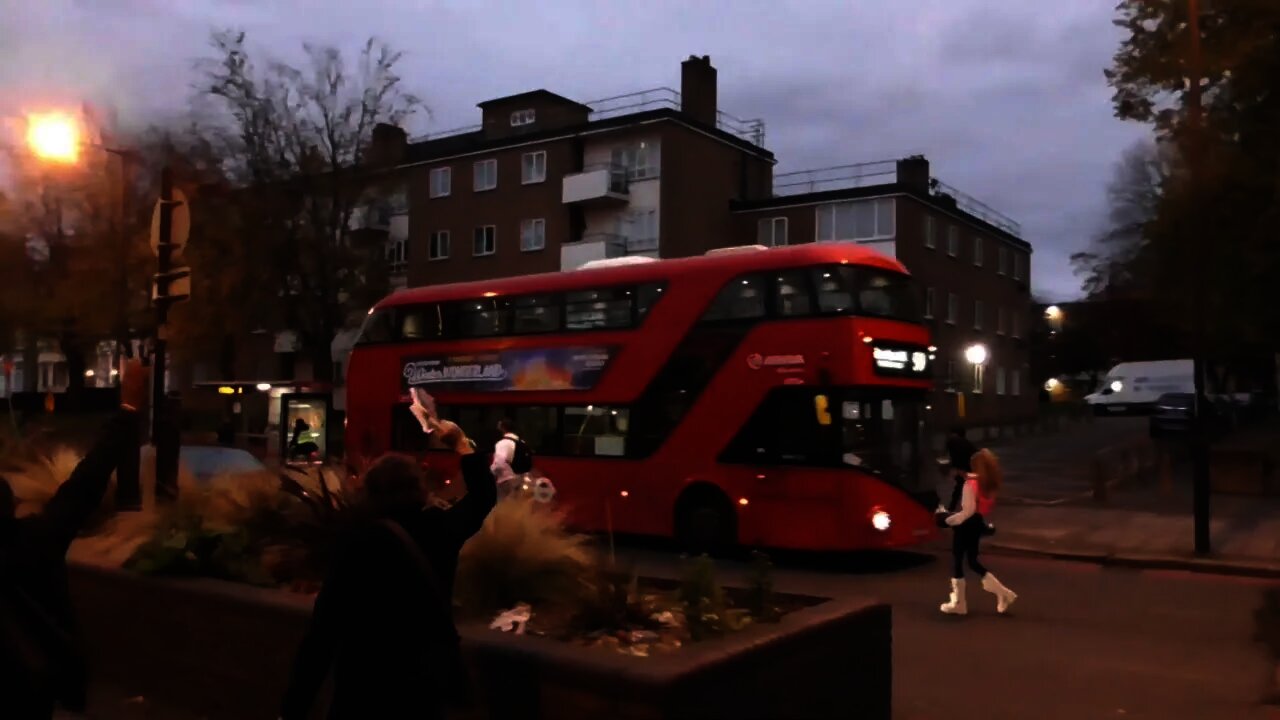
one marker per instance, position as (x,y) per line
(822,409)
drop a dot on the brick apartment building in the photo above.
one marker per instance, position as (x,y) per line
(545,183)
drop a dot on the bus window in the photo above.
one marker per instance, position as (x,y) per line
(380,327)
(596,431)
(835,289)
(791,294)
(535,314)
(647,295)
(883,435)
(597,309)
(741,299)
(484,318)
(539,427)
(785,430)
(422,322)
(886,294)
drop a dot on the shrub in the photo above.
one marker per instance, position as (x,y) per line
(523,553)
(706,610)
(761,601)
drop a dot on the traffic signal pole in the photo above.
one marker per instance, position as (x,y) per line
(162,424)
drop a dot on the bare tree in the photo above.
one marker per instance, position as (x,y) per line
(295,140)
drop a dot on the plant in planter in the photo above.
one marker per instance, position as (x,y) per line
(761,600)
(707,611)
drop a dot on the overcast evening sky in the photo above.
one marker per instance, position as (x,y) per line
(1005,97)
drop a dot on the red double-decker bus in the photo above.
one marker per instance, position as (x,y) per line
(769,397)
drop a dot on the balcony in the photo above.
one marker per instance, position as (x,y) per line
(597,185)
(604,246)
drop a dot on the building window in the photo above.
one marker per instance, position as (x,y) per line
(928,303)
(641,160)
(979,376)
(772,232)
(484,175)
(1020,267)
(930,228)
(523,117)
(1000,380)
(977,314)
(953,241)
(951,373)
(977,251)
(485,240)
(533,167)
(397,256)
(1015,380)
(1004,261)
(642,231)
(953,308)
(1017,325)
(441,182)
(1002,320)
(533,234)
(860,220)
(438,245)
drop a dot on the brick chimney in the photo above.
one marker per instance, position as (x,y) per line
(387,145)
(698,89)
(913,173)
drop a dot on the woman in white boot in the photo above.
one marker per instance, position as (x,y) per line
(968,525)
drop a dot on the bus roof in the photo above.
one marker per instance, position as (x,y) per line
(731,263)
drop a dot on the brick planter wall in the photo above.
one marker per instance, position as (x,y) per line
(225,650)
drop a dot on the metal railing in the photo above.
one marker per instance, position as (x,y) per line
(751,130)
(976,208)
(878,172)
(619,244)
(639,245)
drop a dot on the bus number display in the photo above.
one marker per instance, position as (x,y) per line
(900,361)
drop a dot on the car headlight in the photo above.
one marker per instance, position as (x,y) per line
(880,520)
(1117,386)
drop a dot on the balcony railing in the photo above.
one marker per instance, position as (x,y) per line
(596,182)
(653,99)
(618,244)
(837,177)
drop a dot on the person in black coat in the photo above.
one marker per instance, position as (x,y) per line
(960,452)
(383,620)
(42,662)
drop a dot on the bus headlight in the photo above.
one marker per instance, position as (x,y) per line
(880,520)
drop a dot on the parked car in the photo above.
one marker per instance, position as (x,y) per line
(207,461)
(1173,414)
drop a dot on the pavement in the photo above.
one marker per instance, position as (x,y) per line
(1046,508)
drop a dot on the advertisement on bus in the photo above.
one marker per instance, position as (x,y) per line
(564,368)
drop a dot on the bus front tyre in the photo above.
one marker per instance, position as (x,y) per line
(705,524)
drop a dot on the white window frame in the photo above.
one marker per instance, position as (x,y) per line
(477,176)
(492,248)
(930,227)
(978,311)
(537,175)
(440,182)
(930,296)
(769,226)
(642,159)
(1002,320)
(831,210)
(953,241)
(953,308)
(533,235)
(438,240)
(523,117)
(397,254)
(977,251)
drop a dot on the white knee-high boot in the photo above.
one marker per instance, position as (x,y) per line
(956,605)
(1004,596)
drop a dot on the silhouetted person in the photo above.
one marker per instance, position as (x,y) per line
(42,663)
(960,454)
(383,620)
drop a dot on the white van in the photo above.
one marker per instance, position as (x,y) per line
(1133,387)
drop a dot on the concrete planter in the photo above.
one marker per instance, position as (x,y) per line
(225,650)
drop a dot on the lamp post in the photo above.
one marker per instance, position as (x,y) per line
(58,138)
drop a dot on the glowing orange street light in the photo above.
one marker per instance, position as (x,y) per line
(54,137)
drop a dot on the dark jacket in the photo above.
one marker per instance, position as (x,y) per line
(961,452)
(33,581)
(375,623)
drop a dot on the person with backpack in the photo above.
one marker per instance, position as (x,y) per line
(512,457)
(968,526)
(383,620)
(42,661)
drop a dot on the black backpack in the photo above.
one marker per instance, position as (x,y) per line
(522,458)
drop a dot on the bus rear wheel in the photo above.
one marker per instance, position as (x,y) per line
(705,523)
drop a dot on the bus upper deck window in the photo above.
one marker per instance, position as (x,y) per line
(835,289)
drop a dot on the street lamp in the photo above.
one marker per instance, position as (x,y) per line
(54,137)
(976,354)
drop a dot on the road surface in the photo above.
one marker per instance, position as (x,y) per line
(1057,465)
(1082,641)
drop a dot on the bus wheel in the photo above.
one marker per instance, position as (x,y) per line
(705,522)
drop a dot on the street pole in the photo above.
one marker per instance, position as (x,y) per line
(128,486)
(166,453)
(1200,441)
